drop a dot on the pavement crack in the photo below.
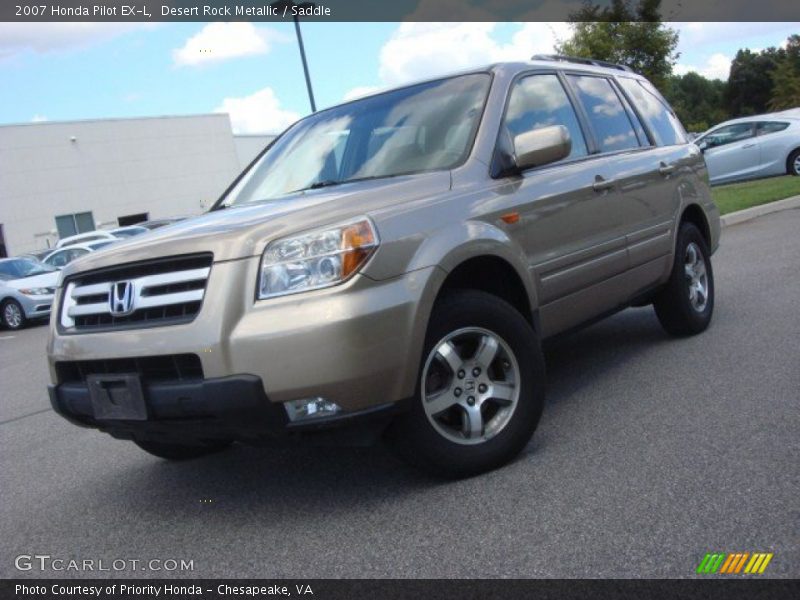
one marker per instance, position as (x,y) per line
(19,418)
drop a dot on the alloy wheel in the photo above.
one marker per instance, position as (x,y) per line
(470,385)
(12,315)
(694,268)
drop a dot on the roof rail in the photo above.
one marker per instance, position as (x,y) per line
(580,60)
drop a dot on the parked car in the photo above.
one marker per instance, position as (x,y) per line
(61,257)
(390,266)
(37,254)
(89,236)
(128,231)
(752,147)
(26,291)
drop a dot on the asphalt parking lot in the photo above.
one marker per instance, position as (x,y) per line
(651,452)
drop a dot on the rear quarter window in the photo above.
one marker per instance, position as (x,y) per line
(664,125)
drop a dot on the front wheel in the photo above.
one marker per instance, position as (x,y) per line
(480,392)
(13,315)
(685,304)
(171,451)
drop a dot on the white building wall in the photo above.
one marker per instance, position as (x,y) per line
(163,166)
(249,146)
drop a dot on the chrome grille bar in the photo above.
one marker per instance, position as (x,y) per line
(145,293)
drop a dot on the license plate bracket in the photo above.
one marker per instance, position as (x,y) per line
(117,397)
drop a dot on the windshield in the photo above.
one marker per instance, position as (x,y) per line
(425,127)
(22,267)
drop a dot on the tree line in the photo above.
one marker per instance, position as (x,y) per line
(634,35)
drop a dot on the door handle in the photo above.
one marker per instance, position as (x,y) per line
(747,146)
(601,184)
(666,169)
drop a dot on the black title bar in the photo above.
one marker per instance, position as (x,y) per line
(374,10)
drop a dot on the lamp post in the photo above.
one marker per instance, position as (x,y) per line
(282,6)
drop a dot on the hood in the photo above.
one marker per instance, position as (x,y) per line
(240,232)
(36,281)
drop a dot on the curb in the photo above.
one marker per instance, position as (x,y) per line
(748,214)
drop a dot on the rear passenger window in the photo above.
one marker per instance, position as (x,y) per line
(663,123)
(610,121)
(764,128)
(540,101)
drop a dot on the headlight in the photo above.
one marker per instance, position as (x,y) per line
(317,259)
(37,291)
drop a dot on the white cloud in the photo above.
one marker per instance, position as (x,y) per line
(259,112)
(703,33)
(359,91)
(38,119)
(222,41)
(717,66)
(420,50)
(16,38)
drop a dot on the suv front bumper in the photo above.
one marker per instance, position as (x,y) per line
(357,344)
(227,408)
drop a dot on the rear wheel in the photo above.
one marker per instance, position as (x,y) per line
(13,315)
(172,451)
(793,163)
(685,305)
(480,392)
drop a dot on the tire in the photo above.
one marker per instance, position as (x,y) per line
(171,451)
(793,164)
(450,443)
(12,315)
(685,304)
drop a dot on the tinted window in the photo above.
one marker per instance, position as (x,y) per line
(729,134)
(770,127)
(663,123)
(540,101)
(610,121)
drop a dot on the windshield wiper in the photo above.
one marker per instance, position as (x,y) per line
(320,184)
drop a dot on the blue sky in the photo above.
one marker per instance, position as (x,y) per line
(62,71)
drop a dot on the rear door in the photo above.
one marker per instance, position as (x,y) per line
(773,138)
(655,179)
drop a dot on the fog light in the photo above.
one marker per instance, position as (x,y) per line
(310,408)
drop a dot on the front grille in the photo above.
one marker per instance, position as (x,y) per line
(172,367)
(161,292)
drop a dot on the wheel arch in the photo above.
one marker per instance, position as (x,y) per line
(693,213)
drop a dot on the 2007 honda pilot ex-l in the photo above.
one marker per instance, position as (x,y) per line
(393,263)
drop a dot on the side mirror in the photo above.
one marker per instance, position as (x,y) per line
(542,146)
(702,145)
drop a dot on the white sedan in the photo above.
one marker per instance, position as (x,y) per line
(61,257)
(752,147)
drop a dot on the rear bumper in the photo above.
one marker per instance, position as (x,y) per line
(225,408)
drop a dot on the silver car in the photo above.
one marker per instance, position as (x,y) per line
(752,147)
(26,291)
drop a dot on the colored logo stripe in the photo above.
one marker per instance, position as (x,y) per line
(734,562)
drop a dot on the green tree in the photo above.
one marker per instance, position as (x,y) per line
(699,102)
(786,78)
(750,81)
(625,34)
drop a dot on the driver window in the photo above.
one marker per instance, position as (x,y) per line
(540,101)
(730,134)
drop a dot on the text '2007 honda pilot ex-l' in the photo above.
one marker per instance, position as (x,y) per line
(390,267)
